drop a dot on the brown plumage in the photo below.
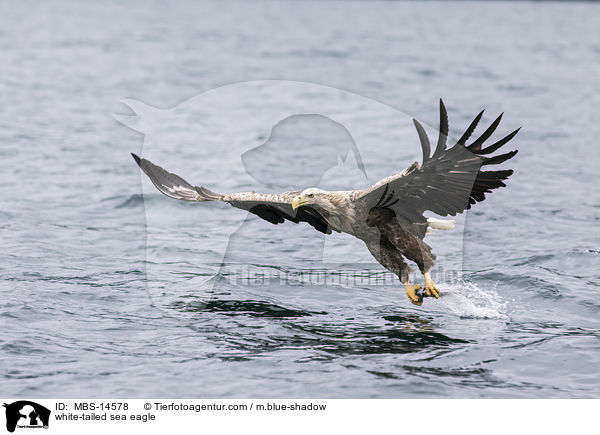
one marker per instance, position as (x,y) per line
(397,237)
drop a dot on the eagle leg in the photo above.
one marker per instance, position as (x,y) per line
(390,257)
(415,249)
(430,288)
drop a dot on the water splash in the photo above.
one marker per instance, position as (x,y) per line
(466,299)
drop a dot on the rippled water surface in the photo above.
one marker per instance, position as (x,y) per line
(92,307)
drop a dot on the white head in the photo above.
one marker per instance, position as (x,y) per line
(317,198)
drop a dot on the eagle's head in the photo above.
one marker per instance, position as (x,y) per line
(316,198)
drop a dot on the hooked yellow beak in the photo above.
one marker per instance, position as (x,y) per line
(297,202)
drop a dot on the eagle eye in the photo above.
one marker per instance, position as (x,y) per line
(310,195)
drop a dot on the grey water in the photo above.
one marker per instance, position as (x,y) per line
(80,312)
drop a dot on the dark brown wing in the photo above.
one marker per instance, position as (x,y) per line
(447,182)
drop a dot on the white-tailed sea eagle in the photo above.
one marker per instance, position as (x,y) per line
(387,216)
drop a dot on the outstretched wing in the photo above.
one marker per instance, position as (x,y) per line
(447,182)
(275,208)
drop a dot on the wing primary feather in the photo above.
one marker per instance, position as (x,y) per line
(467,134)
(425,145)
(170,184)
(383,195)
(498,159)
(207,194)
(475,147)
(443,136)
(495,146)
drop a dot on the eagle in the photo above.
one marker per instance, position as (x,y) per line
(388,216)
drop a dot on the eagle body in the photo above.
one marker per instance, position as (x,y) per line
(388,216)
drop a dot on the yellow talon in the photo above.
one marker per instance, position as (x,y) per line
(430,288)
(411,292)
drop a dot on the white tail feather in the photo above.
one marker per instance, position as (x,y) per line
(440,224)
